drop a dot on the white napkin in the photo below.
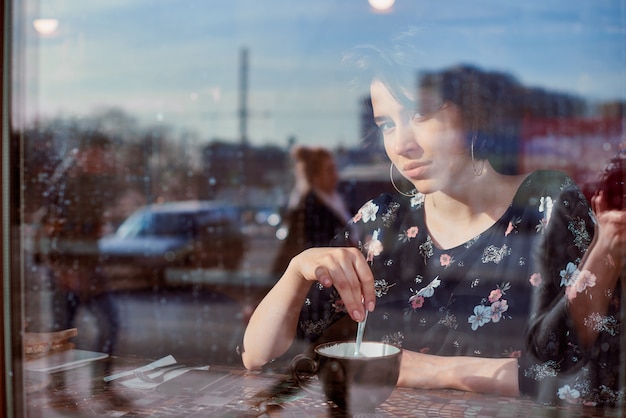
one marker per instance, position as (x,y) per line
(165,361)
(137,383)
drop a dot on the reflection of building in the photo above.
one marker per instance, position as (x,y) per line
(542,103)
(578,146)
(228,165)
(564,132)
(612,109)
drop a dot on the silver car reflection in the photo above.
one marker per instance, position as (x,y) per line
(194,234)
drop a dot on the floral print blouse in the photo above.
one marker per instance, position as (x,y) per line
(470,300)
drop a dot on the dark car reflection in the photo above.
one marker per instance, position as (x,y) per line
(193,234)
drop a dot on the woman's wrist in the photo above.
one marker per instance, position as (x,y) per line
(294,279)
(424,371)
(474,374)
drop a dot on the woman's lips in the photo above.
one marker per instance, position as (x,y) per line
(414,170)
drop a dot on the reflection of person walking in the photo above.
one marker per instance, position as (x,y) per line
(315,211)
(74,219)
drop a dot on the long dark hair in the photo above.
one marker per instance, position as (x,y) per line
(491,102)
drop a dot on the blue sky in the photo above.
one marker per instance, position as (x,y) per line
(175,62)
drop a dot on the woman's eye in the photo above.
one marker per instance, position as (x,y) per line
(385,127)
(416,116)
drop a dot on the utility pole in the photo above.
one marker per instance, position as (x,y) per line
(243,96)
(244,160)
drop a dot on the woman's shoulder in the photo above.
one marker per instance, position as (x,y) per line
(549,176)
(546,183)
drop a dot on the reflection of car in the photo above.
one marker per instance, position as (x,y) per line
(189,234)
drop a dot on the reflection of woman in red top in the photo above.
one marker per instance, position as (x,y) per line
(316,211)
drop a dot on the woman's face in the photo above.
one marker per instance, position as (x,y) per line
(429,150)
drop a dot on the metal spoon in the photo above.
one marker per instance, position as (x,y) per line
(359,335)
(156,378)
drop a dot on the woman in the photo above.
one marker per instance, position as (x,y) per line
(316,211)
(445,270)
(575,329)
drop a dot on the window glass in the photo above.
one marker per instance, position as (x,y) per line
(154,143)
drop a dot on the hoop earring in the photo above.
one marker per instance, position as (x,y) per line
(477,172)
(393,183)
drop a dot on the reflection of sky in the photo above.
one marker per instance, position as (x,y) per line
(176,61)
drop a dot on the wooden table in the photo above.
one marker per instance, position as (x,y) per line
(82,392)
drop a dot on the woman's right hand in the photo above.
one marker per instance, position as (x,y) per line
(343,267)
(272,326)
(611,237)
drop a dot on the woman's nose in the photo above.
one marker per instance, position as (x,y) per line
(405,141)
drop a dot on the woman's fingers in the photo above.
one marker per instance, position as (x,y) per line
(612,225)
(368,288)
(323,276)
(599,202)
(347,270)
(350,285)
(612,232)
